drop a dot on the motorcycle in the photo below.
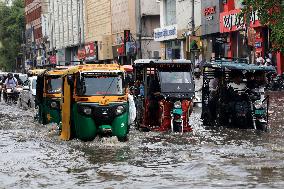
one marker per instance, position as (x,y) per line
(11,95)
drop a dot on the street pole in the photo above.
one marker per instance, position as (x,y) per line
(140,30)
(192,18)
(192,31)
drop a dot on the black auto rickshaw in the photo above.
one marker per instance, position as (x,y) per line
(166,94)
(233,94)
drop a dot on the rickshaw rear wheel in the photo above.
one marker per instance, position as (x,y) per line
(122,139)
(261,126)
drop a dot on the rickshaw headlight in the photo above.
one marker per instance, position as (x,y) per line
(177,104)
(87,110)
(120,110)
(258,104)
(53,104)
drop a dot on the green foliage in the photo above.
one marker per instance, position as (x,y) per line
(271,13)
(12,24)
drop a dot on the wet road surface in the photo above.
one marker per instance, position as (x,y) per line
(34,157)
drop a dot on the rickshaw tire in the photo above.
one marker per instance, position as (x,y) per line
(262,127)
(123,139)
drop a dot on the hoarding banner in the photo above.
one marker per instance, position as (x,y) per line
(232,21)
(165,33)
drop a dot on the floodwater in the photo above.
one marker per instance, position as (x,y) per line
(32,156)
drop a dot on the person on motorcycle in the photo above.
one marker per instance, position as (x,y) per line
(11,82)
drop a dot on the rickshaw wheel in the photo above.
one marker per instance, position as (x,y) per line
(261,126)
(122,139)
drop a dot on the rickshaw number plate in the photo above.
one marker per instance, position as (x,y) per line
(259,112)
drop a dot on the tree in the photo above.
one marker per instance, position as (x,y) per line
(271,14)
(12,24)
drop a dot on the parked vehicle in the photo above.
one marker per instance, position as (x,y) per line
(233,94)
(166,94)
(94,102)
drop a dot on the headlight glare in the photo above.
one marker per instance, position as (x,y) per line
(53,104)
(119,110)
(177,104)
(87,110)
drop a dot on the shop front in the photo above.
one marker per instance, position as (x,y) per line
(214,42)
(233,24)
(171,46)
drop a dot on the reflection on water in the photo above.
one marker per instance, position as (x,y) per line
(33,157)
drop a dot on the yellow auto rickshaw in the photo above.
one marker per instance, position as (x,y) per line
(94,102)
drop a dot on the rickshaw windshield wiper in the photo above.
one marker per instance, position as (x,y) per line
(109,87)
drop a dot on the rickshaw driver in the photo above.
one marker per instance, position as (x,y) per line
(237,83)
(154,92)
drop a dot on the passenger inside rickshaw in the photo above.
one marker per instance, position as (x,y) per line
(213,96)
(237,82)
(153,95)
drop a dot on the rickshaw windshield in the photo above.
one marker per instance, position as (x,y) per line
(96,85)
(54,85)
(175,77)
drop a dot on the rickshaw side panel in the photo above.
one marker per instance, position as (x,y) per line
(85,127)
(66,111)
(120,125)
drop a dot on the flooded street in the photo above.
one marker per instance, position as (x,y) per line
(33,157)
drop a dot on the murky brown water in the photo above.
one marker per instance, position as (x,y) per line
(31,157)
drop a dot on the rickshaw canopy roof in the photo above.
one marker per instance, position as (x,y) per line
(94,68)
(36,72)
(238,65)
(158,63)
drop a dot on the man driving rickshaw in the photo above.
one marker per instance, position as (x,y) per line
(166,103)
(239,99)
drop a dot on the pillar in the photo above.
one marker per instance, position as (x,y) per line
(280,63)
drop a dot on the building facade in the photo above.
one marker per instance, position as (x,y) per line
(33,33)
(66,29)
(175,32)
(98,43)
(214,43)
(133,22)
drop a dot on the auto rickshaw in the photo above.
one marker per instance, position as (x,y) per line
(48,95)
(166,94)
(94,102)
(233,94)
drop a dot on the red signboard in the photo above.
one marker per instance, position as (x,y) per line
(232,21)
(52,59)
(209,10)
(81,54)
(90,49)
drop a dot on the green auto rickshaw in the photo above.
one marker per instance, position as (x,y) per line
(94,102)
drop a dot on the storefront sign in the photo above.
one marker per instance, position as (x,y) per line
(258,45)
(209,10)
(81,54)
(166,33)
(210,17)
(91,51)
(233,21)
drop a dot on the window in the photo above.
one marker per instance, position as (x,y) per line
(170,12)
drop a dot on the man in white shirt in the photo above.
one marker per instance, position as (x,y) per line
(259,59)
(237,81)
